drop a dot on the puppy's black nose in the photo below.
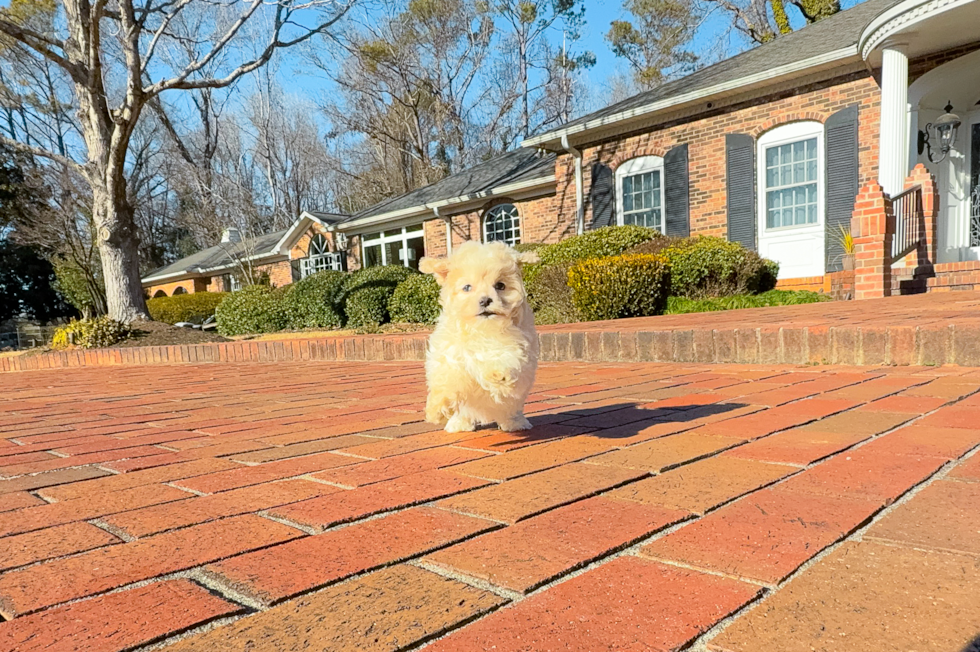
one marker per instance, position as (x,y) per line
(485,302)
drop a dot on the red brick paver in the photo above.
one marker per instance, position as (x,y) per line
(307,506)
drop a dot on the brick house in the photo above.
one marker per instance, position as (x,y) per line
(278,259)
(769,148)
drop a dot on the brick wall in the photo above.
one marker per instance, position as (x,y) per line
(190,286)
(705,137)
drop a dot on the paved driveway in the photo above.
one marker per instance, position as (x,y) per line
(300,506)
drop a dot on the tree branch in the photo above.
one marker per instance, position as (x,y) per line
(42,153)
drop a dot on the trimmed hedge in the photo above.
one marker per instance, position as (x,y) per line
(551,299)
(253,309)
(632,285)
(90,333)
(415,300)
(194,308)
(707,266)
(316,301)
(368,291)
(600,243)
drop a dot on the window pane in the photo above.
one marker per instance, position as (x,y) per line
(372,256)
(371,236)
(502,223)
(791,176)
(416,251)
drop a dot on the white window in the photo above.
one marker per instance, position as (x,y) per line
(791,176)
(640,192)
(404,246)
(320,258)
(502,223)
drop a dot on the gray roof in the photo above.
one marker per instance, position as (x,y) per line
(219,256)
(513,167)
(329,218)
(828,35)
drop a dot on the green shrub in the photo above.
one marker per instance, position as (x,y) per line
(632,285)
(253,309)
(415,300)
(707,266)
(316,301)
(90,333)
(368,291)
(683,305)
(552,298)
(529,246)
(600,243)
(194,308)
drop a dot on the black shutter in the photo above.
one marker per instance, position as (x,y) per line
(841,135)
(740,168)
(602,196)
(677,215)
(295,270)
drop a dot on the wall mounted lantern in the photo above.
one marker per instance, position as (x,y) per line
(341,240)
(945,127)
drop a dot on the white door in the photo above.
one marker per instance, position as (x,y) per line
(791,198)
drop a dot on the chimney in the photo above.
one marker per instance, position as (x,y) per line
(231,234)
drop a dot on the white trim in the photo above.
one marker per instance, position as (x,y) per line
(806,234)
(634,166)
(199,272)
(742,83)
(383,239)
(511,190)
(498,209)
(901,17)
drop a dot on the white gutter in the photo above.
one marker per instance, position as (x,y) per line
(765,77)
(424,209)
(579,192)
(449,229)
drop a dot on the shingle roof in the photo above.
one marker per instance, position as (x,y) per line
(829,35)
(513,167)
(218,256)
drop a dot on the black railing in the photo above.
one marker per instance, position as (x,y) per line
(910,227)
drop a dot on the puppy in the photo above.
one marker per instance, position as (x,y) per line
(483,354)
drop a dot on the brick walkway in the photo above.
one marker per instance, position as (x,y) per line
(304,506)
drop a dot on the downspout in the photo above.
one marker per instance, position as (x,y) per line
(449,229)
(579,192)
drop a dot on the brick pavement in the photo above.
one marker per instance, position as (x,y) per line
(297,506)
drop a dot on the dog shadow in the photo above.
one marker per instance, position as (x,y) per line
(973,646)
(612,422)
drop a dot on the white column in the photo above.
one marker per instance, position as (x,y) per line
(893,149)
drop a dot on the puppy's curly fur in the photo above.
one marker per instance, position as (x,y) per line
(483,354)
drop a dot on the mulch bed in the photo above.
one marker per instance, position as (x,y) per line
(155,333)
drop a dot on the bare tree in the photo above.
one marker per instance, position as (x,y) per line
(764,20)
(119,55)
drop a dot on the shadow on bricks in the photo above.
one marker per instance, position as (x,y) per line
(623,420)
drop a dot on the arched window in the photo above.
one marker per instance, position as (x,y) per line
(502,223)
(158,294)
(179,291)
(640,192)
(319,257)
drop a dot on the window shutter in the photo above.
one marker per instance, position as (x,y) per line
(602,196)
(740,168)
(294,270)
(677,216)
(841,137)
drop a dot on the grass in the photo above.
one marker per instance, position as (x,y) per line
(682,305)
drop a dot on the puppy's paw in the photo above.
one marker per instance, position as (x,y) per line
(438,410)
(500,383)
(459,424)
(514,424)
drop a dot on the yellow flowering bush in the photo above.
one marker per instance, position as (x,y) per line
(90,333)
(632,285)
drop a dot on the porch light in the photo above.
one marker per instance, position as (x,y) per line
(340,238)
(945,127)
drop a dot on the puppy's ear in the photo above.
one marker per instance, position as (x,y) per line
(438,267)
(528,258)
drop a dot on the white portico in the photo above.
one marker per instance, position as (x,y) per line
(914,108)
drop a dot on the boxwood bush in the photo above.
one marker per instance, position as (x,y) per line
(632,285)
(707,266)
(90,333)
(368,291)
(194,308)
(316,301)
(415,300)
(253,309)
(607,241)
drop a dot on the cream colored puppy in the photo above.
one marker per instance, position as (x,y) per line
(484,351)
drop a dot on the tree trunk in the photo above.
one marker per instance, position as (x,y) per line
(118,248)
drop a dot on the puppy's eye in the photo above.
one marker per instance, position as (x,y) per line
(499,286)
(467,288)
